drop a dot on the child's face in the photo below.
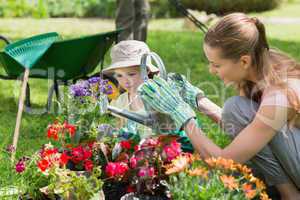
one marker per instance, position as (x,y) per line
(129,78)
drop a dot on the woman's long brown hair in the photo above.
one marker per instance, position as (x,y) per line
(237,35)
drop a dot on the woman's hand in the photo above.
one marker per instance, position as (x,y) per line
(162,98)
(195,97)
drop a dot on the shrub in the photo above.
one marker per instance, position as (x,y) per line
(225,6)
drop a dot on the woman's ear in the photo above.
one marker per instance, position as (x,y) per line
(245,61)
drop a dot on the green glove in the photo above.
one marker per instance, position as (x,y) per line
(187,91)
(158,94)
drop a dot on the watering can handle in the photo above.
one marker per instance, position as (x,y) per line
(158,61)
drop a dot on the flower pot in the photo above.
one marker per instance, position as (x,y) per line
(114,190)
(133,196)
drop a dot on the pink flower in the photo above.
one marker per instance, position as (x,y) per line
(110,169)
(150,142)
(146,172)
(142,172)
(133,162)
(171,151)
(20,166)
(151,171)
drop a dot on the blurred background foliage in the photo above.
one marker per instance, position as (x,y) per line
(106,8)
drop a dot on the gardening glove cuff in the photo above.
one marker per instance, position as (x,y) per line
(181,114)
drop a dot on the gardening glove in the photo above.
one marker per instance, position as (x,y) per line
(158,94)
(187,91)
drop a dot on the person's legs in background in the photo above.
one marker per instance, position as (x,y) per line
(142,15)
(125,16)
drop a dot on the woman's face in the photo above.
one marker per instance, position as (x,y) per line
(230,71)
(129,78)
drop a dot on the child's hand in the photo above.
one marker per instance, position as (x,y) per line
(187,91)
(162,98)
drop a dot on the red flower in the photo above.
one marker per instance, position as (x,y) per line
(71,128)
(77,154)
(130,189)
(52,133)
(88,165)
(126,144)
(136,147)
(64,158)
(91,145)
(43,165)
(20,166)
(122,168)
(86,154)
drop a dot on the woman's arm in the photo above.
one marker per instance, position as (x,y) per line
(210,109)
(249,142)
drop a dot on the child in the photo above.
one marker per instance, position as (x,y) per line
(125,68)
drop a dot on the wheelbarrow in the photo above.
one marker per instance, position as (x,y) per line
(66,60)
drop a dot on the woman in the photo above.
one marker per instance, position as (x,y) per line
(264,119)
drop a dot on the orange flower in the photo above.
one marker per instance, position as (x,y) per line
(229,182)
(199,172)
(211,161)
(264,196)
(249,192)
(260,185)
(225,163)
(243,169)
(178,164)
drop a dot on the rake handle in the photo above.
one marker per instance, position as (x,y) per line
(20,111)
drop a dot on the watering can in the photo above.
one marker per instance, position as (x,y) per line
(158,122)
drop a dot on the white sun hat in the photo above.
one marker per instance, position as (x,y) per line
(128,53)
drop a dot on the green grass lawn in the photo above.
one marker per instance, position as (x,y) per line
(180,50)
(286,9)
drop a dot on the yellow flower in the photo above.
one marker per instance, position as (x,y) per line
(229,182)
(249,192)
(199,172)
